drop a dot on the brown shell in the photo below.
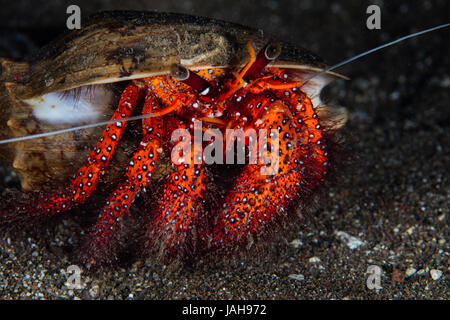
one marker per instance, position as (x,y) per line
(112,47)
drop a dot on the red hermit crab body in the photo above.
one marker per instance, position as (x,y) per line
(217,87)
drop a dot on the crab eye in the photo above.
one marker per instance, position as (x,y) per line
(267,54)
(272,51)
(179,72)
(182,74)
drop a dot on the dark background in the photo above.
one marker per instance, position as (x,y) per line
(394,197)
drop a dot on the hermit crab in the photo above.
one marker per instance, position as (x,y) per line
(181,76)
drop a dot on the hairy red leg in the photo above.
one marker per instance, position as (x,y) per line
(180,204)
(138,174)
(257,199)
(86,178)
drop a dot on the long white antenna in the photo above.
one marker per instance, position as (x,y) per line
(365,53)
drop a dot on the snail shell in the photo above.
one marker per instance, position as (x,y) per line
(111,48)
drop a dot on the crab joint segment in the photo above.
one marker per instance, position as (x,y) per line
(182,74)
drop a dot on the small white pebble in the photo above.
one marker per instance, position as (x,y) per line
(445,83)
(410,271)
(395,95)
(421,271)
(410,230)
(351,241)
(436,274)
(296,243)
(94,291)
(298,277)
(314,260)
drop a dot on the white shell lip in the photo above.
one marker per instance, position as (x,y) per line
(58,109)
